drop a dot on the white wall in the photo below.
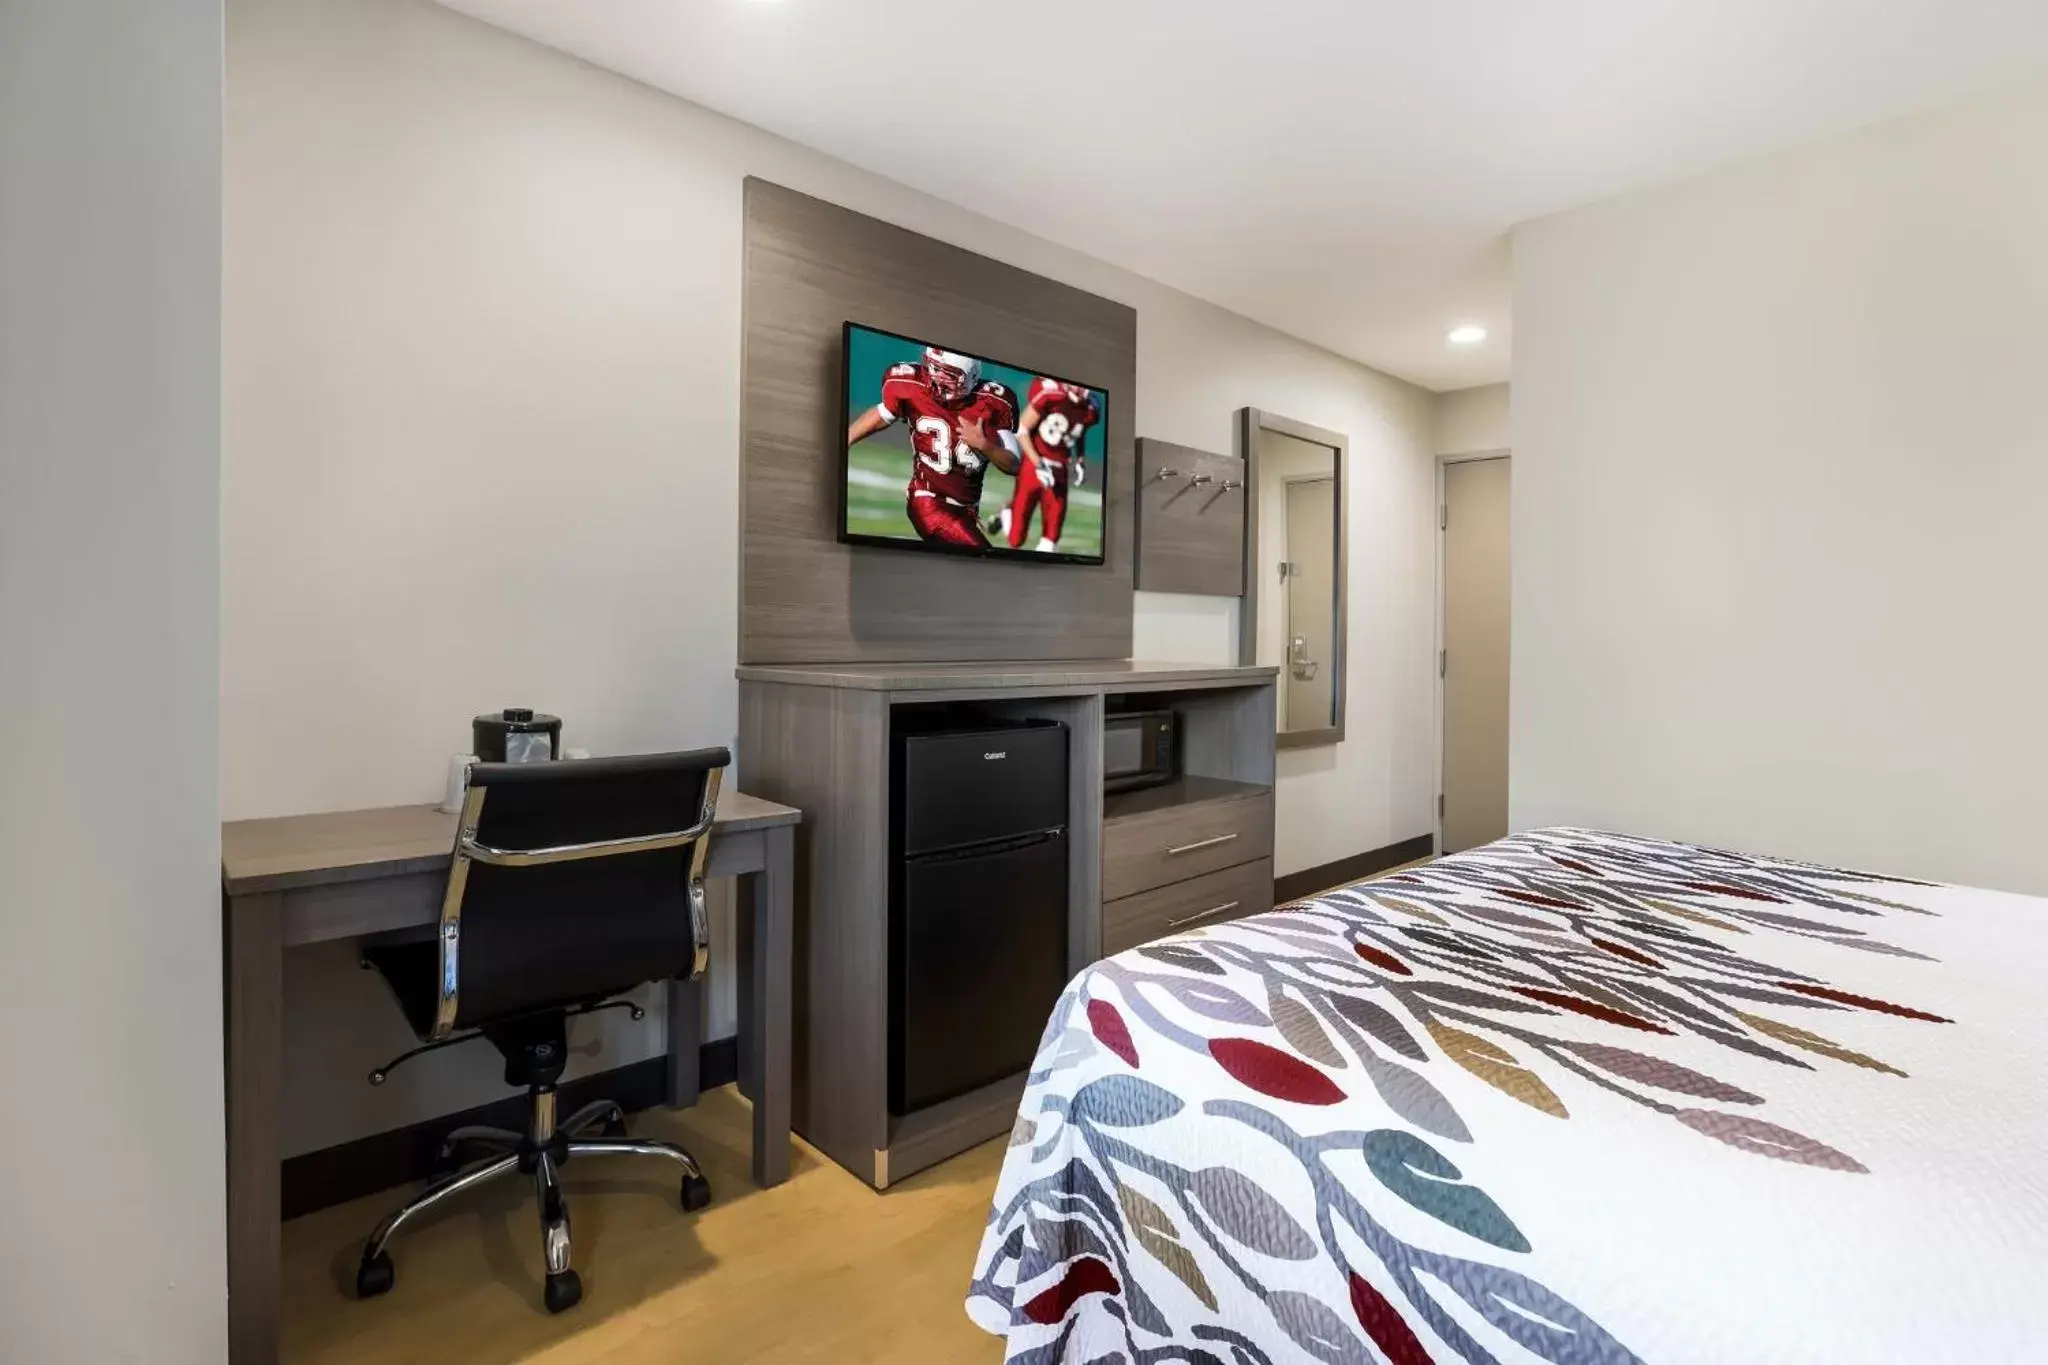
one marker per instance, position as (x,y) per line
(482,385)
(111,1145)
(1780,494)
(1469,421)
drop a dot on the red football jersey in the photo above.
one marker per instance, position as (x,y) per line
(1063,421)
(943,463)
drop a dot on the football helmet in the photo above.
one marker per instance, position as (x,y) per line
(953,376)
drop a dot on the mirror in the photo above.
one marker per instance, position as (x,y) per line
(1293,615)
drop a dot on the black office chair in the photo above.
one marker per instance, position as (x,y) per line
(572,883)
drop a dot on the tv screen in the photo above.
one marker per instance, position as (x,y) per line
(963,454)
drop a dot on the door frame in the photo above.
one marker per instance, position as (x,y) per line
(1443,512)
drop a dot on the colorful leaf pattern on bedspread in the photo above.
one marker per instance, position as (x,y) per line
(1527,964)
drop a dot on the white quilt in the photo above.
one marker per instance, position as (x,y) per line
(1572,1097)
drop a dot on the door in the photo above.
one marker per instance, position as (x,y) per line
(980,958)
(1475,682)
(1311,604)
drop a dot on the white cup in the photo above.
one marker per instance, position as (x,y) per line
(458,782)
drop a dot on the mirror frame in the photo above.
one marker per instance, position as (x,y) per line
(1250,423)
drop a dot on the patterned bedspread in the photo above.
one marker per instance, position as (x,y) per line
(1572,1097)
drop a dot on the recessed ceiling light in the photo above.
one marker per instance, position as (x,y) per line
(1466,334)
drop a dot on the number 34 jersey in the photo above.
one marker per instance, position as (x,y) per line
(942,463)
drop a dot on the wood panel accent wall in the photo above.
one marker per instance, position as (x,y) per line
(1190,536)
(811,267)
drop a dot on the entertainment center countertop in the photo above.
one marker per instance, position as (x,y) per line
(1107,674)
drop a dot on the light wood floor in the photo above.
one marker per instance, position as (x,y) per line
(820,1269)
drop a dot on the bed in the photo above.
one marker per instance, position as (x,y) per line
(1572,1097)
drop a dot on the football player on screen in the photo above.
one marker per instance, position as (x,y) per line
(960,424)
(1054,425)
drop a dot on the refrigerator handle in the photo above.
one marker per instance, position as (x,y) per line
(1008,844)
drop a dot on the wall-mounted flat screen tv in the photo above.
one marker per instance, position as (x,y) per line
(958,453)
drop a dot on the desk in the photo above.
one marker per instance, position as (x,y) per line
(313,878)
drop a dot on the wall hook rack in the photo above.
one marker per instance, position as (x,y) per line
(1189,544)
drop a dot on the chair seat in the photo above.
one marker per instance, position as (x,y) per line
(411,969)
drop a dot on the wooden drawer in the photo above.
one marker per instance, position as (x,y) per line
(1213,899)
(1160,847)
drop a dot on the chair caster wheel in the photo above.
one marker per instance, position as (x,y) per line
(563,1292)
(696,1193)
(375,1276)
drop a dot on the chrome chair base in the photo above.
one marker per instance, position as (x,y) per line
(542,1151)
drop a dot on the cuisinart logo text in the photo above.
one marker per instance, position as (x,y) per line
(999,753)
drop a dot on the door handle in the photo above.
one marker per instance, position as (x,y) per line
(1200,843)
(1210,913)
(1298,663)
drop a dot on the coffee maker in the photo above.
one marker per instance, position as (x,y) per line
(516,735)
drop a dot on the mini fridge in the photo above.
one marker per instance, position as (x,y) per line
(977,904)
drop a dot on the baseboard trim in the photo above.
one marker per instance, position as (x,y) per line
(1344,871)
(350,1170)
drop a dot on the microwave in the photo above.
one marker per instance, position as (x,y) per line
(1138,749)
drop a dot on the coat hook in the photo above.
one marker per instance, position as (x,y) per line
(1226,486)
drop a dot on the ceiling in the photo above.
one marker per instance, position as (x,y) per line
(1343,170)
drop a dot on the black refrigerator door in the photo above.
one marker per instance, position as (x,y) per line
(981,955)
(967,786)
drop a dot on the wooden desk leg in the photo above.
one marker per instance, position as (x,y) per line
(747,897)
(772,932)
(685,1023)
(254,930)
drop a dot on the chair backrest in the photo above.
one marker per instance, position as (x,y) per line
(573,881)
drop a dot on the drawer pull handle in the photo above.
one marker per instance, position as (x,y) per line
(1201,843)
(1211,913)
